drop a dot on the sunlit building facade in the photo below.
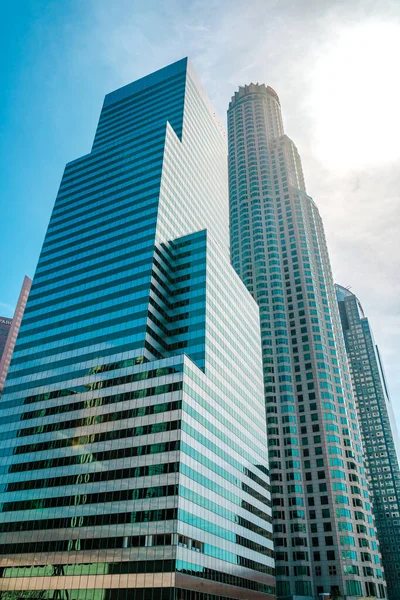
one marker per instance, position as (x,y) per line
(7,343)
(378,430)
(133,455)
(324,531)
(5,324)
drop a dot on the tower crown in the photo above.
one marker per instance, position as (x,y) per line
(254,88)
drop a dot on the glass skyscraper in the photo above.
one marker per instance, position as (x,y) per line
(324,530)
(378,429)
(133,455)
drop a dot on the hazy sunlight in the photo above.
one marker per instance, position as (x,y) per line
(356,98)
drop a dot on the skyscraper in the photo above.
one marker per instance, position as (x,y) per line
(378,430)
(7,349)
(323,524)
(134,462)
(5,324)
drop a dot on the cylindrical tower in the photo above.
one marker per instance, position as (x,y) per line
(323,525)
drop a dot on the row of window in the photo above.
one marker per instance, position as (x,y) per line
(97,419)
(93,438)
(148,566)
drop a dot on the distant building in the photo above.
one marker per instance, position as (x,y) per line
(9,330)
(5,324)
(378,430)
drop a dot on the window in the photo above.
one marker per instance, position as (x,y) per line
(332,569)
(303,588)
(347,540)
(351,570)
(353,588)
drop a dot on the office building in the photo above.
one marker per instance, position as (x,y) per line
(5,324)
(134,461)
(12,327)
(378,430)
(324,530)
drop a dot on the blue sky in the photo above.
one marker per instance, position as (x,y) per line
(334,64)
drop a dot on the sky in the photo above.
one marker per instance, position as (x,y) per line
(334,64)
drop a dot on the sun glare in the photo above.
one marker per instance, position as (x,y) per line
(355,98)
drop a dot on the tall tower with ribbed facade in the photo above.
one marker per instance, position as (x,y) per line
(324,530)
(378,430)
(132,446)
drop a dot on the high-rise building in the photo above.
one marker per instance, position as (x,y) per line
(134,461)
(378,430)
(324,530)
(7,348)
(5,324)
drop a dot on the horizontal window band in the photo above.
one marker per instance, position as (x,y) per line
(163,96)
(90,403)
(151,178)
(223,492)
(87,340)
(175,82)
(93,568)
(94,438)
(82,387)
(74,168)
(82,244)
(160,515)
(93,261)
(91,303)
(99,498)
(101,251)
(126,301)
(137,194)
(143,174)
(118,202)
(98,520)
(78,232)
(120,568)
(97,419)
(89,457)
(205,573)
(206,462)
(192,432)
(140,154)
(110,278)
(74,346)
(128,122)
(84,544)
(109,284)
(78,479)
(124,347)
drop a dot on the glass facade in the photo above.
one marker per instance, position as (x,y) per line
(378,430)
(133,455)
(324,531)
